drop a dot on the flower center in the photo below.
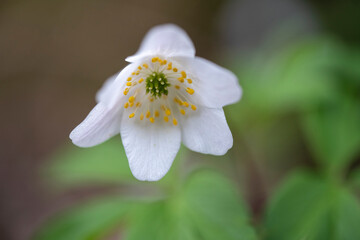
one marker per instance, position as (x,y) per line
(157,84)
(158,89)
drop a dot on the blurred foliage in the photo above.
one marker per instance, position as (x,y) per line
(316,81)
(310,207)
(206,206)
(74,166)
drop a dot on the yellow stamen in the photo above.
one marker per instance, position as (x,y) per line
(175,121)
(138,104)
(152,120)
(166,119)
(186,104)
(147,114)
(141,80)
(177,86)
(133,73)
(182,111)
(145,66)
(154,59)
(141,116)
(168,112)
(189,80)
(131,99)
(175,69)
(128,84)
(164,62)
(181,79)
(193,107)
(169,66)
(139,67)
(190,91)
(132,115)
(129,79)
(126,105)
(132,104)
(126,91)
(183,74)
(157,113)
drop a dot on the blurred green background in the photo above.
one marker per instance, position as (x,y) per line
(292,174)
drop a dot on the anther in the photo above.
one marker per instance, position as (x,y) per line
(131,99)
(169,66)
(152,120)
(182,111)
(126,105)
(145,66)
(126,91)
(186,104)
(141,80)
(190,91)
(154,59)
(168,112)
(166,119)
(181,79)
(139,67)
(177,86)
(183,74)
(129,79)
(175,69)
(132,115)
(193,107)
(147,114)
(157,113)
(128,84)
(175,121)
(189,80)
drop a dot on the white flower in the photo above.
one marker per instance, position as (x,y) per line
(165,96)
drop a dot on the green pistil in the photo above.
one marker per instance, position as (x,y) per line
(157,84)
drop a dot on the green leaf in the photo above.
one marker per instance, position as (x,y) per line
(216,209)
(160,220)
(105,163)
(90,221)
(207,208)
(308,207)
(297,76)
(355,179)
(334,132)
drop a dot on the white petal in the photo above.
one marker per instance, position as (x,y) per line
(112,94)
(168,40)
(150,148)
(216,86)
(106,88)
(206,131)
(101,124)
